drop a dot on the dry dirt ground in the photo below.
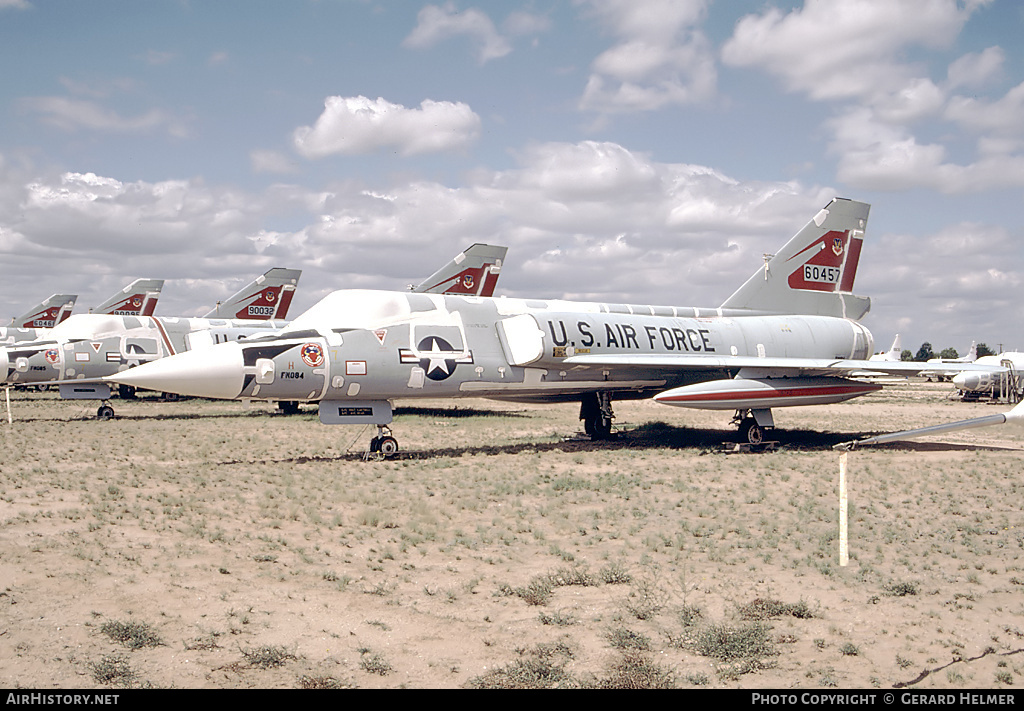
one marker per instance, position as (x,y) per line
(198,544)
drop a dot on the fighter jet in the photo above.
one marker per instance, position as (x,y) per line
(474,272)
(34,323)
(268,297)
(85,349)
(787,337)
(124,333)
(137,299)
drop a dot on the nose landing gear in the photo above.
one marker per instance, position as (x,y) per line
(384,443)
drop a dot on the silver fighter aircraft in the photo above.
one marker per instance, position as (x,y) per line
(787,337)
(137,298)
(35,322)
(124,333)
(86,348)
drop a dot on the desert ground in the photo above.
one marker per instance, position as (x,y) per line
(200,544)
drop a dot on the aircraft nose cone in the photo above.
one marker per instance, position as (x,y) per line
(967,381)
(214,372)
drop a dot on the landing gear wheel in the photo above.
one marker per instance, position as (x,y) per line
(384,443)
(751,431)
(105,412)
(288,407)
(387,446)
(596,413)
(600,428)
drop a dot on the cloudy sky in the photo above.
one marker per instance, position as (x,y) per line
(647,151)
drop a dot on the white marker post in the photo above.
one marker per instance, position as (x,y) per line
(7,390)
(844,550)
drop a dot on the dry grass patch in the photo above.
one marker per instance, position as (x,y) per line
(491,534)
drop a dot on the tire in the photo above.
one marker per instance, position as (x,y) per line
(387,446)
(751,431)
(105,412)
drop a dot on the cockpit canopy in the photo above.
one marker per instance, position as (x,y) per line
(363,308)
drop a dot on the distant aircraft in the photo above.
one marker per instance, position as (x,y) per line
(891,355)
(76,353)
(972,355)
(988,381)
(85,349)
(36,321)
(139,297)
(268,297)
(787,337)
(474,272)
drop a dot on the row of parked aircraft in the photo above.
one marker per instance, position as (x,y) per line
(790,335)
(974,381)
(77,352)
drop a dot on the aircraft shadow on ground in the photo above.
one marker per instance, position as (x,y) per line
(648,436)
(435,412)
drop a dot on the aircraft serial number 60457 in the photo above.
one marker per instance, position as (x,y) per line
(789,336)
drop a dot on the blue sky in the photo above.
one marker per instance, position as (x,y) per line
(624,150)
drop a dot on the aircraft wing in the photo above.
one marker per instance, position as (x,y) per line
(781,367)
(1015,416)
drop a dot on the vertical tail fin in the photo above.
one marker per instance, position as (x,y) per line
(474,272)
(266,297)
(891,355)
(137,299)
(47,314)
(972,354)
(814,272)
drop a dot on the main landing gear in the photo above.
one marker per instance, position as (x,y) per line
(105,411)
(288,407)
(596,413)
(384,443)
(753,425)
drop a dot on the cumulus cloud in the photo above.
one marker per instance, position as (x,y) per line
(356,125)
(661,56)
(436,24)
(1004,116)
(833,49)
(79,114)
(877,156)
(266,161)
(974,69)
(852,53)
(959,271)
(588,220)
(626,228)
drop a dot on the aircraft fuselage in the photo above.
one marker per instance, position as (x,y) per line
(425,346)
